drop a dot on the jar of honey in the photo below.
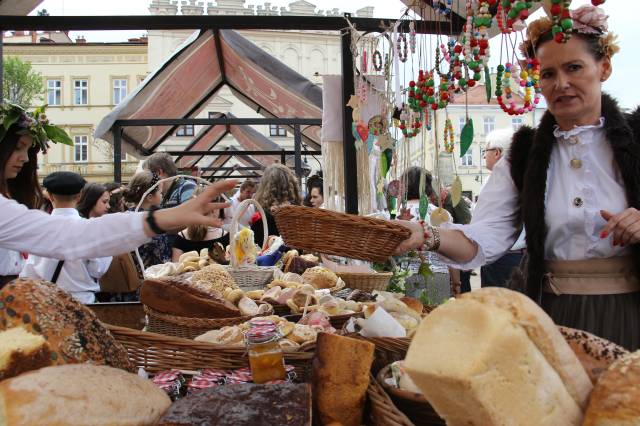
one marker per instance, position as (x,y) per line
(265,355)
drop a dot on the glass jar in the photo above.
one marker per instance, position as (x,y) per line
(265,354)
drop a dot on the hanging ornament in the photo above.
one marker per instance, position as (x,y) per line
(561,19)
(448,136)
(401,47)
(456,191)
(466,137)
(377,60)
(423,207)
(529,80)
(412,37)
(364,64)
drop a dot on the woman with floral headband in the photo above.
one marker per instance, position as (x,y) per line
(574,182)
(24,229)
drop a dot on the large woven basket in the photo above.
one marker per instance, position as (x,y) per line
(249,277)
(382,411)
(157,352)
(186,327)
(366,281)
(329,232)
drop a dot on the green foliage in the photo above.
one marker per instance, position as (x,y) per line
(21,84)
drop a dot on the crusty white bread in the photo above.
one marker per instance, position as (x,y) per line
(80,394)
(494,357)
(615,400)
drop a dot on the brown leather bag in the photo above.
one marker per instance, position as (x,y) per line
(122,276)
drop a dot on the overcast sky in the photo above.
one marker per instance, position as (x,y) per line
(623,20)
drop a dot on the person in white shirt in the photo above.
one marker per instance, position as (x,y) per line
(25,229)
(497,274)
(246,191)
(574,183)
(77,277)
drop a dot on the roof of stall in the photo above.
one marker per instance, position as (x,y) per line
(184,85)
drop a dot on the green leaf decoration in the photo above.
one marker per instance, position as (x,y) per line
(423,206)
(487,83)
(389,154)
(384,166)
(456,191)
(425,270)
(56,134)
(11,117)
(466,137)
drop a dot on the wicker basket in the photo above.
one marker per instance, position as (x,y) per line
(412,404)
(366,281)
(329,232)
(186,327)
(382,411)
(249,277)
(157,352)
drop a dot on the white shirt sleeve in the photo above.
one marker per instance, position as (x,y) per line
(60,237)
(492,226)
(99,266)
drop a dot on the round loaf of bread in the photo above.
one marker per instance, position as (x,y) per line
(412,303)
(319,277)
(80,394)
(615,399)
(72,330)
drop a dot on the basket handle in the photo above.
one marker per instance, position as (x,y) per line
(242,208)
(152,189)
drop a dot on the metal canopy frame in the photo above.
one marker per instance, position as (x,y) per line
(301,23)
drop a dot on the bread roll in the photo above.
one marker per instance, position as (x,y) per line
(82,395)
(615,400)
(22,351)
(595,353)
(493,357)
(413,303)
(72,330)
(178,297)
(340,377)
(320,277)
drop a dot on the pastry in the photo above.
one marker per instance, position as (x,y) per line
(80,394)
(615,400)
(22,351)
(248,307)
(412,303)
(303,333)
(72,330)
(297,264)
(243,405)
(340,377)
(320,277)
(288,344)
(162,294)
(493,356)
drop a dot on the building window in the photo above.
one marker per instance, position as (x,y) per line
(467,158)
(489,125)
(119,90)
(461,122)
(516,123)
(54,92)
(80,92)
(81,149)
(186,130)
(277,130)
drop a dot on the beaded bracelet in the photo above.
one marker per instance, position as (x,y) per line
(529,79)
(431,237)
(448,136)
(401,42)
(377,60)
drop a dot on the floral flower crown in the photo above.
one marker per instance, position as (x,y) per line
(586,19)
(35,124)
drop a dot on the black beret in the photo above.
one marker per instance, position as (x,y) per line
(64,183)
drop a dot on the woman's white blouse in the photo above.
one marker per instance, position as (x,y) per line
(582,179)
(59,237)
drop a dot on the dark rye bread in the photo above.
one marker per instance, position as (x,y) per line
(73,332)
(595,353)
(286,404)
(176,296)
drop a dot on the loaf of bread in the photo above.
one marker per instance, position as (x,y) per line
(320,277)
(175,296)
(80,394)
(72,330)
(595,353)
(494,357)
(22,351)
(615,400)
(296,264)
(413,303)
(285,404)
(340,377)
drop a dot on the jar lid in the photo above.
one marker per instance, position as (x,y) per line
(262,334)
(257,322)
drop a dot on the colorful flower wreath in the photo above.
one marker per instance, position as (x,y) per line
(35,124)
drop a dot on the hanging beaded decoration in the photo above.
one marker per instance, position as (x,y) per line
(401,47)
(597,3)
(529,80)
(364,65)
(561,19)
(448,136)
(471,49)
(409,124)
(444,7)
(412,37)
(482,23)
(377,60)
(501,17)
(387,66)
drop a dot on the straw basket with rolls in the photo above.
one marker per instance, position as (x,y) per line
(248,277)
